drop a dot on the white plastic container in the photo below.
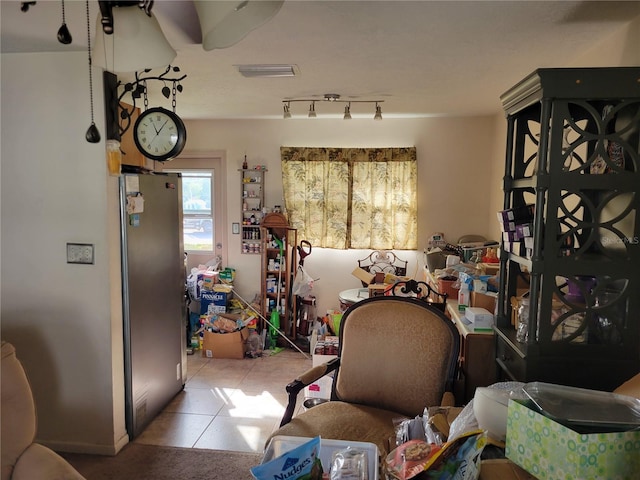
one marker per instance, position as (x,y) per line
(281,444)
(463,296)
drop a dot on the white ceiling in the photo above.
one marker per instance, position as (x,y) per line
(421,57)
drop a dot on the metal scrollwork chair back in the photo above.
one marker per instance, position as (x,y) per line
(421,290)
(383,261)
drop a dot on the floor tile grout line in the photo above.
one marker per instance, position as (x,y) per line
(202,432)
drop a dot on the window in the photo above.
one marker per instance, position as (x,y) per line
(197,221)
(352,198)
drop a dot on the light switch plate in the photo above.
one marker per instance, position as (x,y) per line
(80,253)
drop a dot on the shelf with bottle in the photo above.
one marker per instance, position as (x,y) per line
(252,209)
(252,218)
(572,156)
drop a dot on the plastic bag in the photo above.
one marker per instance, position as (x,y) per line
(303,283)
(409,429)
(464,422)
(349,464)
(409,459)
(303,462)
(458,459)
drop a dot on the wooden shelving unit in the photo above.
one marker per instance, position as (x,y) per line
(252,204)
(278,264)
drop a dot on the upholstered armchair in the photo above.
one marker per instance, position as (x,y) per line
(22,459)
(396,356)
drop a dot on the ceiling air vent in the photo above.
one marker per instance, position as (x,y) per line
(260,70)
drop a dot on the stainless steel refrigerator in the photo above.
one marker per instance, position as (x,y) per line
(153,294)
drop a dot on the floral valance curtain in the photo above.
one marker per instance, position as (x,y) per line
(352,197)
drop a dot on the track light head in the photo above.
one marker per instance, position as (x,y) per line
(347,112)
(287,112)
(378,115)
(312,110)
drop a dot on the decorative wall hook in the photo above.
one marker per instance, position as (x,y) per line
(118,114)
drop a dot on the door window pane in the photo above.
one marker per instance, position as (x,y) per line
(197,209)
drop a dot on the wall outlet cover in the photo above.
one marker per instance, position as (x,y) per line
(80,253)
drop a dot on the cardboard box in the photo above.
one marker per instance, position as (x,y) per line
(446,286)
(502,469)
(524,230)
(517,214)
(480,318)
(484,300)
(549,450)
(377,289)
(225,345)
(631,387)
(212,303)
(363,275)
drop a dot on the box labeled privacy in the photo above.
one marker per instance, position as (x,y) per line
(550,451)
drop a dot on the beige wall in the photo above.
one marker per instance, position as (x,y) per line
(65,320)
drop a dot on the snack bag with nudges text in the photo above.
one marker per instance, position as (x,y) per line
(301,463)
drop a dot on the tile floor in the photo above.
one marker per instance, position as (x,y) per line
(227,404)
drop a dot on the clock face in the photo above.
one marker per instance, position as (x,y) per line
(159,134)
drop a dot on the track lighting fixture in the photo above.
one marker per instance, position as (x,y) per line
(331,98)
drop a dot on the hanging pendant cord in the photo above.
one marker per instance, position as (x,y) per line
(90,61)
(173,100)
(92,135)
(146,99)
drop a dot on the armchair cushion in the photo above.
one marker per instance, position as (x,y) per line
(21,457)
(38,461)
(18,410)
(366,424)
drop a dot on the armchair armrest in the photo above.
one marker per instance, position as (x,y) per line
(304,380)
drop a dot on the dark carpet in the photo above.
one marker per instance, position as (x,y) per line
(148,462)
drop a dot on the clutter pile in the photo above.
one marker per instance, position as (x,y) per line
(220,326)
(378,283)
(467,272)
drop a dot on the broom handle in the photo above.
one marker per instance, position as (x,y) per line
(269,323)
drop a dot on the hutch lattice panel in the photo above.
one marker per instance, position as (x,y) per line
(573,152)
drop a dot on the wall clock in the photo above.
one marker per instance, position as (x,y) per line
(159,134)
